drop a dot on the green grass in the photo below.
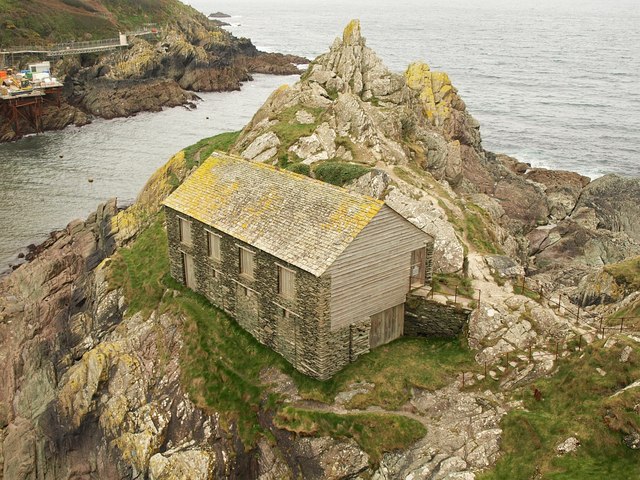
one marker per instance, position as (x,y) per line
(626,273)
(447,283)
(300,168)
(289,130)
(200,151)
(375,433)
(395,369)
(576,401)
(478,232)
(339,173)
(139,270)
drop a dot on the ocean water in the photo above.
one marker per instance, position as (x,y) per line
(554,83)
(44,179)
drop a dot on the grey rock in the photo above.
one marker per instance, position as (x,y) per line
(632,441)
(504,266)
(570,445)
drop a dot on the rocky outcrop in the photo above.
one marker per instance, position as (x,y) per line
(191,55)
(109,99)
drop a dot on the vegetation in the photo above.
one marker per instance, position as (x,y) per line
(394,369)
(196,153)
(375,433)
(221,363)
(51,21)
(289,130)
(577,401)
(447,283)
(339,173)
(626,273)
(300,168)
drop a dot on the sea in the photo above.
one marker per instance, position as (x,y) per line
(552,83)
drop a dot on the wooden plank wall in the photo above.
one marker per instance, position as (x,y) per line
(372,274)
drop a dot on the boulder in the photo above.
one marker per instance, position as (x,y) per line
(614,200)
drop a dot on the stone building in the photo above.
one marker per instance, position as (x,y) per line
(315,272)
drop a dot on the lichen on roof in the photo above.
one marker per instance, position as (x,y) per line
(299,220)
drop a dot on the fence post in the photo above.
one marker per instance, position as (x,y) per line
(530,354)
(485,369)
(601,318)
(578,315)
(455,298)
(580,343)
(621,324)
(522,292)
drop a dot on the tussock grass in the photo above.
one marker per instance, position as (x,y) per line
(394,368)
(375,433)
(339,173)
(200,151)
(576,402)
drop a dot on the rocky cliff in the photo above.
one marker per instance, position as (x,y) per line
(113,371)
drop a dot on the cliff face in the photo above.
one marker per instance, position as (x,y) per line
(97,386)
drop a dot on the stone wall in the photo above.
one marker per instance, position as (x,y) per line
(299,329)
(427,318)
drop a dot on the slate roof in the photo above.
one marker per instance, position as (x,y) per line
(302,221)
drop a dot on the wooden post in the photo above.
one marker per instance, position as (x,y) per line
(557,344)
(455,298)
(559,298)
(530,353)
(580,343)
(601,318)
(507,360)
(485,369)
(578,315)
(621,324)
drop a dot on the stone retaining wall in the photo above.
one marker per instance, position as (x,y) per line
(427,318)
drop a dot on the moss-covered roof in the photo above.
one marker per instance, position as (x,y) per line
(302,221)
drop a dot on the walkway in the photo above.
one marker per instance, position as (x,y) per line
(76,48)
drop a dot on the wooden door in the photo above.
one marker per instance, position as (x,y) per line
(386,326)
(189,271)
(418,268)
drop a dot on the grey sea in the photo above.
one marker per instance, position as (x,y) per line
(553,83)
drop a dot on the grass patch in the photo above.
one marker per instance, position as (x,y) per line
(576,402)
(533,295)
(300,168)
(394,368)
(375,433)
(139,270)
(478,232)
(289,130)
(626,273)
(200,151)
(339,173)
(447,283)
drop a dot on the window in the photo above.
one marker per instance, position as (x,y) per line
(417,270)
(286,282)
(213,246)
(185,230)
(246,262)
